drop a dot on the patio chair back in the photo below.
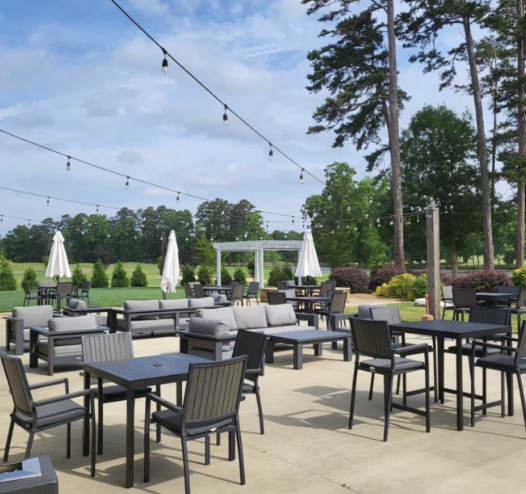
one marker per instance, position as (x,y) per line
(17,382)
(198,290)
(104,348)
(464,298)
(389,314)
(520,353)
(213,392)
(253,288)
(447,293)
(489,315)
(277,298)
(508,289)
(188,291)
(64,288)
(521,299)
(44,284)
(326,286)
(371,338)
(25,286)
(338,302)
(237,292)
(253,346)
(86,286)
(282,285)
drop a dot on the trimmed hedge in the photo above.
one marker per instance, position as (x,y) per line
(204,275)
(485,280)
(78,277)
(119,278)
(138,277)
(384,275)
(188,274)
(240,276)
(99,278)
(226,278)
(30,277)
(7,277)
(354,278)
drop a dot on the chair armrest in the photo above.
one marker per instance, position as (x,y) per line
(64,381)
(301,316)
(164,403)
(510,338)
(421,348)
(476,343)
(11,318)
(68,396)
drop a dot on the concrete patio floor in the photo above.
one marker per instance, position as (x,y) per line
(307,447)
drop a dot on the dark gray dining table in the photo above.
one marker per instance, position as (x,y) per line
(308,289)
(309,301)
(139,373)
(458,331)
(217,289)
(495,297)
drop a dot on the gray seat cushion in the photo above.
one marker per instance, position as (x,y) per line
(286,329)
(64,348)
(118,393)
(400,363)
(498,361)
(146,324)
(52,414)
(172,421)
(208,326)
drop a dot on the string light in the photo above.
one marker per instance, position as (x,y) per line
(164,66)
(391,222)
(1,218)
(178,194)
(225,117)
(301,176)
(97,209)
(68,166)
(47,202)
(271,152)
(293,220)
(127,182)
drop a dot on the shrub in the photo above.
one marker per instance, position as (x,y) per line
(445,278)
(45,260)
(419,288)
(30,277)
(354,278)
(485,280)
(240,276)
(226,279)
(384,275)
(119,279)
(188,274)
(138,277)
(78,278)
(251,268)
(277,274)
(7,277)
(289,273)
(99,278)
(204,274)
(519,277)
(309,280)
(160,264)
(399,286)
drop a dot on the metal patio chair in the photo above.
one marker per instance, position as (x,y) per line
(252,292)
(277,298)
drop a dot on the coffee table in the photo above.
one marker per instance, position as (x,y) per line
(314,337)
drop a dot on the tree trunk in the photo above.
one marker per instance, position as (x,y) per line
(481,147)
(454,258)
(394,140)
(521,116)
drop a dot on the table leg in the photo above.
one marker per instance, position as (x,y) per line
(87,385)
(269,352)
(130,436)
(440,345)
(509,385)
(33,349)
(179,394)
(460,390)
(347,350)
(298,356)
(318,349)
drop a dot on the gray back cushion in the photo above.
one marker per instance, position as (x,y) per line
(224,314)
(174,304)
(72,323)
(280,315)
(201,302)
(219,298)
(364,311)
(34,316)
(142,305)
(208,326)
(250,317)
(77,304)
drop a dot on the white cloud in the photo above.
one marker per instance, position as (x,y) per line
(150,7)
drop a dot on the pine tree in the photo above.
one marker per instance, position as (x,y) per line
(138,278)
(119,278)
(99,278)
(30,277)
(7,277)
(78,277)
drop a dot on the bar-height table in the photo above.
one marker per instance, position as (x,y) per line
(458,331)
(139,373)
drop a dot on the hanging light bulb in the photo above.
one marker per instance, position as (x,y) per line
(68,166)
(293,220)
(97,209)
(127,182)
(418,219)
(271,152)
(47,202)
(225,117)
(178,197)
(1,218)
(301,176)
(377,221)
(164,67)
(355,228)
(370,201)
(391,222)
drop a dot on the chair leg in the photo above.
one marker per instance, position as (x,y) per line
(30,444)
(371,387)
(472,374)
(435,370)
(8,442)
(404,389)
(218,439)
(523,401)
(240,453)
(207,450)
(353,395)
(68,440)
(388,396)
(484,390)
(260,411)
(93,445)
(398,383)
(428,400)
(100,439)
(185,466)
(147,419)
(503,394)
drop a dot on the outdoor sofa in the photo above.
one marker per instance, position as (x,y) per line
(212,332)
(61,341)
(148,317)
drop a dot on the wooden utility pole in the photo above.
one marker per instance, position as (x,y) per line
(433,259)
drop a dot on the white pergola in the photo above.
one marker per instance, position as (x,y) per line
(258,247)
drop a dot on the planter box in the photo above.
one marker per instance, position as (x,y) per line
(33,476)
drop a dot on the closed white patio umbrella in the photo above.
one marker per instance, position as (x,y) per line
(58,265)
(171,266)
(308,264)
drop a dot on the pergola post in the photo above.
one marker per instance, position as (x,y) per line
(218,266)
(433,260)
(260,255)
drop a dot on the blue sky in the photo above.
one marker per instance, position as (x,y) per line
(79,77)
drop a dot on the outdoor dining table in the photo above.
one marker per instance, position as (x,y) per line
(217,289)
(309,301)
(495,297)
(45,292)
(458,331)
(139,373)
(308,289)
